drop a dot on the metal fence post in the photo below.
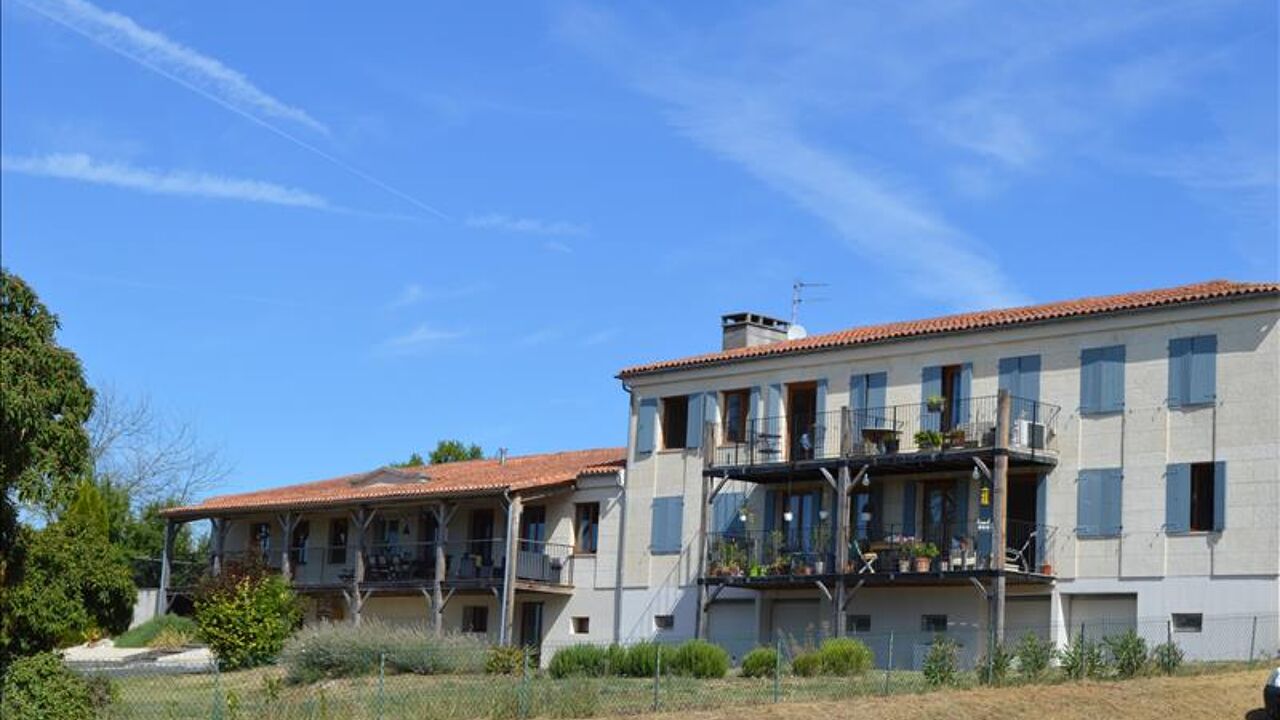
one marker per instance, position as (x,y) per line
(1253,640)
(382,692)
(217,692)
(523,708)
(888,666)
(777,671)
(657,677)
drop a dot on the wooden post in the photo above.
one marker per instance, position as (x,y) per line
(437,597)
(704,522)
(840,537)
(166,557)
(287,521)
(1000,505)
(360,520)
(515,508)
(218,537)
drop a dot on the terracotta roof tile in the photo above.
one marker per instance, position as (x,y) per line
(476,477)
(1199,292)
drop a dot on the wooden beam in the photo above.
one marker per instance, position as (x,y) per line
(829,478)
(1000,499)
(853,483)
(704,524)
(288,520)
(166,560)
(716,490)
(852,591)
(515,509)
(825,590)
(442,514)
(841,539)
(982,467)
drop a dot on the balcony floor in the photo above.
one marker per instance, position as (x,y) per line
(879,579)
(960,459)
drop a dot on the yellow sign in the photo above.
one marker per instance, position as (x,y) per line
(984,496)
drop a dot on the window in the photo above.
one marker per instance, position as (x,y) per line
(337,542)
(933,623)
(1195,497)
(666,528)
(1098,503)
(1102,380)
(533,528)
(737,405)
(581,625)
(859,623)
(646,425)
(664,622)
(1188,622)
(1193,370)
(298,544)
(586,528)
(475,619)
(675,422)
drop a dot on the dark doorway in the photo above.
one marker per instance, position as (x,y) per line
(480,534)
(953,404)
(533,528)
(939,513)
(1022,518)
(802,418)
(531,628)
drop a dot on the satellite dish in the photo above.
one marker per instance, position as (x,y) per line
(796,332)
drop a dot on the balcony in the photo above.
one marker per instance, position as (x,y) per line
(893,433)
(877,556)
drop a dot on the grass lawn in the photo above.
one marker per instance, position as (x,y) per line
(262,693)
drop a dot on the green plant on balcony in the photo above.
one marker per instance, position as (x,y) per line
(935,403)
(956,438)
(928,439)
(923,553)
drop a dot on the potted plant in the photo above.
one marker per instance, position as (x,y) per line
(821,543)
(924,553)
(928,439)
(955,438)
(935,403)
(756,571)
(1046,569)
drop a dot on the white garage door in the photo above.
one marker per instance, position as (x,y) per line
(1024,615)
(732,625)
(1102,615)
(797,620)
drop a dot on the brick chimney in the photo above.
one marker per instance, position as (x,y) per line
(751,329)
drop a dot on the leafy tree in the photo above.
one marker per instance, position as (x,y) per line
(454,451)
(245,614)
(44,402)
(41,687)
(75,585)
(415,460)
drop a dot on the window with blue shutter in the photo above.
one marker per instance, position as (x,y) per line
(666,530)
(646,425)
(867,393)
(1195,497)
(1021,376)
(1098,503)
(1193,370)
(1219,496)
(726,517)
(930,386)
(694,427)
(1102,380)
(1177,498)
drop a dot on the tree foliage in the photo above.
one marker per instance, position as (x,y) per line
(44,402)
(455,451)
(415,460)
(245,614)
(42,688)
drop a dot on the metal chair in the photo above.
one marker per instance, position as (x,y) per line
(1021,557)
(869,559)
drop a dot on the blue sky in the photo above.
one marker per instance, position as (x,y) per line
(332,237)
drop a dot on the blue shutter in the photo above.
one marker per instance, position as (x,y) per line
(1203,370)
(1112,386)
(711,413)
(962,402)
(1179,371)
(1010,376)
(822,421)
(1042,499)
(1177,498)
(1112,502)
(858,403)
(1087,511)
(770,511)
(1029,377)
(646,425)
(1090,380)
(724,513)
(877,388)
(962,507)
(668,517)
(909,508)
(930,385)
(1219,496)
(753,405)
(774,411)
(876,528)
(693,428)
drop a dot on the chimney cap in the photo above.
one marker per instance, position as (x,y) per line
(751,318)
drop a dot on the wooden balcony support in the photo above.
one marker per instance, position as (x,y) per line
(361,519)
(515,507)
(166,563)
(443,513)
(288,521)
(219,527)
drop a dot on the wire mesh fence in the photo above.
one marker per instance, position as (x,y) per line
(463,680)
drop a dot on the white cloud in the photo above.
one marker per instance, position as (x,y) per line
(122,34)
(81,167)
(532,226)
(421,338)
(410,295)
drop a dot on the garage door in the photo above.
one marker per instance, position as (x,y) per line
(732,625)
(1024,615)
(1102,615)
(797,620)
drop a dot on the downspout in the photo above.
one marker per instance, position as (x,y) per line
(621,554)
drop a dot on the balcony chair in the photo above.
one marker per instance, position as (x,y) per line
(869,559)
(1021,557)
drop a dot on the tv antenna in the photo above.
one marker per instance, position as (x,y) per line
(797,297)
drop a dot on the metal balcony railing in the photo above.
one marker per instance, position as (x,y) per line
(951,547)
(925,427)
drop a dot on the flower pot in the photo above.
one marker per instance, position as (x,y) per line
(820,567)
(1046,569)
(923,563)
(904,565)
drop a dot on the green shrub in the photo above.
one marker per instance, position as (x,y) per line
(760,662)
(40,687)
(993,667)
(700,659)
(806,664)
(642,659)
(1128,653)
(939,666)
(1083,659)
(145,635)
(341,650)
(1167,656)
(245,614)
(580,661)
(1034,656)
(505,660)
(845,656)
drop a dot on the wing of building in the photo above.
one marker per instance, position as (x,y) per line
(1078,464)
